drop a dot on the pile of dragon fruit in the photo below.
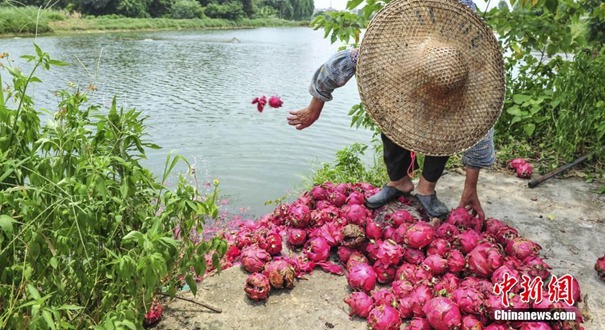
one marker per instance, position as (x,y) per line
(400,268)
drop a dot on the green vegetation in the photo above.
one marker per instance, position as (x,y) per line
(31,20)
(554,109)
(88,236)
(350,168)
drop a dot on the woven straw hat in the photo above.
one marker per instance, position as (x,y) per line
(431,75)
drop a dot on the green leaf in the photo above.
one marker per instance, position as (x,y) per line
(6,223)
(53,262)
(48,318)
(57,63)
(133,235)
(191,282)
(33,291)
(529,129)
(352,4)
(129,324)
(521,98)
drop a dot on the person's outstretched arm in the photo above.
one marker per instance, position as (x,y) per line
(482,155)
(335,73)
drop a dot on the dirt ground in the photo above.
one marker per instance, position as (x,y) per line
(565,216)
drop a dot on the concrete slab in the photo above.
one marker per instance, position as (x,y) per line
(565,216)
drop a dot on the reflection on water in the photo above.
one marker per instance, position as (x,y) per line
(196,88)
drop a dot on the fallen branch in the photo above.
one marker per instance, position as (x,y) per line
(210,307)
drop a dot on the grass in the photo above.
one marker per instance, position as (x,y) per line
(31,20)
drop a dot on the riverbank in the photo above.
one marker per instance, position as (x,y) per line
(29,22)
(565,216)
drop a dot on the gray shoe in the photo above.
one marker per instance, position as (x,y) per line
(433,206)
(385,195)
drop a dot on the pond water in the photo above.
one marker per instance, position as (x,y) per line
(197,87)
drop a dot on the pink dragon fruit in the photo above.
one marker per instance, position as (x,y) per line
(506,234)
(337,198)
(362,277)
(498,277)
(497,326)
(470,322)
(420,296)
(356,258)
(361,304)
(398,234)
(355,198)
(406,272)
(373,231)
(280,273)
(154,314)
(384,296)
(317,249)
(522,167)
(357,214)
(535,326)
(296,236)
(419,323)
(405,307)
(442,314)
(400,217)
(599,266)
(469,300)
(260,103)
(419,235)
(275,102)
(535,266)
(522,248)
(344,253)
(435,264)
(372,249)
(299,216)
(330,232)
(447,231)
(384,318)
(467,240)
(402,288)
(254,259)
(459,217)
(446,285)
(439,246)
(456,262)
(389,253)
(257,286)
(272,243)
(413,256)
(484,260)
(492,226)
(385,274)
(422,275)
(319,193)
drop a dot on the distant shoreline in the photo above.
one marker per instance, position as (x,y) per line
(102,24)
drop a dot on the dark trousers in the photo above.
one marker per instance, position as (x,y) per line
(398,160)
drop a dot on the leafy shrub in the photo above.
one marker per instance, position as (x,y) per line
(229,10)
(87,234)
(186,9)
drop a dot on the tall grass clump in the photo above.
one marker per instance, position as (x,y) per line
(28,20)
(88,236)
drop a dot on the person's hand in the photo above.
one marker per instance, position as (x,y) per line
(470,201)
(306,116)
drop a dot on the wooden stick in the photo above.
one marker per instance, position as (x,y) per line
(535,182)
(210,307)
